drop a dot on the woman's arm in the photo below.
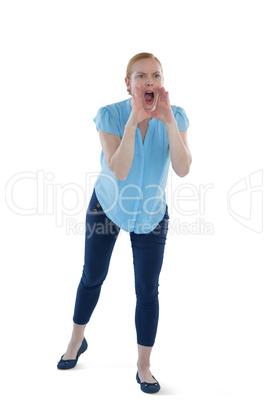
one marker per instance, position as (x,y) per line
(180,156)
(119,153)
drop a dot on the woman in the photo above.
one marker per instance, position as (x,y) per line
(139,138)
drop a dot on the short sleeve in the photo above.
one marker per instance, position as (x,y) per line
(181,118)
(106,121)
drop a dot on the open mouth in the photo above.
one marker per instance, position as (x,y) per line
(149,97)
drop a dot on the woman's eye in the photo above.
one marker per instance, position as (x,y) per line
(157,75)
(140,76)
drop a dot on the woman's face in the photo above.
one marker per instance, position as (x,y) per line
(147,73)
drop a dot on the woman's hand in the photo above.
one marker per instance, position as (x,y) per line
(163,111)
(138,113)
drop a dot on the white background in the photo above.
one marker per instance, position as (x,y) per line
(61,61)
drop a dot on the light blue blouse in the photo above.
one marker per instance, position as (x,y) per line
(137,204)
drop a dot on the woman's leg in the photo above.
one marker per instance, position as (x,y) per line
(143,364)
(101,235)
(75,342)
(148,252)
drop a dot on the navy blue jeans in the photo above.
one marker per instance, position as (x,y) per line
(148,251)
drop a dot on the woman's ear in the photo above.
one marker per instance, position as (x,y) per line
(127,81)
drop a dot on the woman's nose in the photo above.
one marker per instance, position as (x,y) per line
(149,82)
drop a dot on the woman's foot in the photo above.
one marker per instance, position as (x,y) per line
(66,364)
(72,349)
(145,375)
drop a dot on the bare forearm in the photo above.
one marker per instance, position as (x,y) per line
(121,161)
(179,155)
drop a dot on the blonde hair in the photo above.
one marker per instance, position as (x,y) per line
(137,57)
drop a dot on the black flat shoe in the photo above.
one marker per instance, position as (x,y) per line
(149,388)
(69,364)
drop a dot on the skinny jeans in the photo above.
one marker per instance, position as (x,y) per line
(148,251)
